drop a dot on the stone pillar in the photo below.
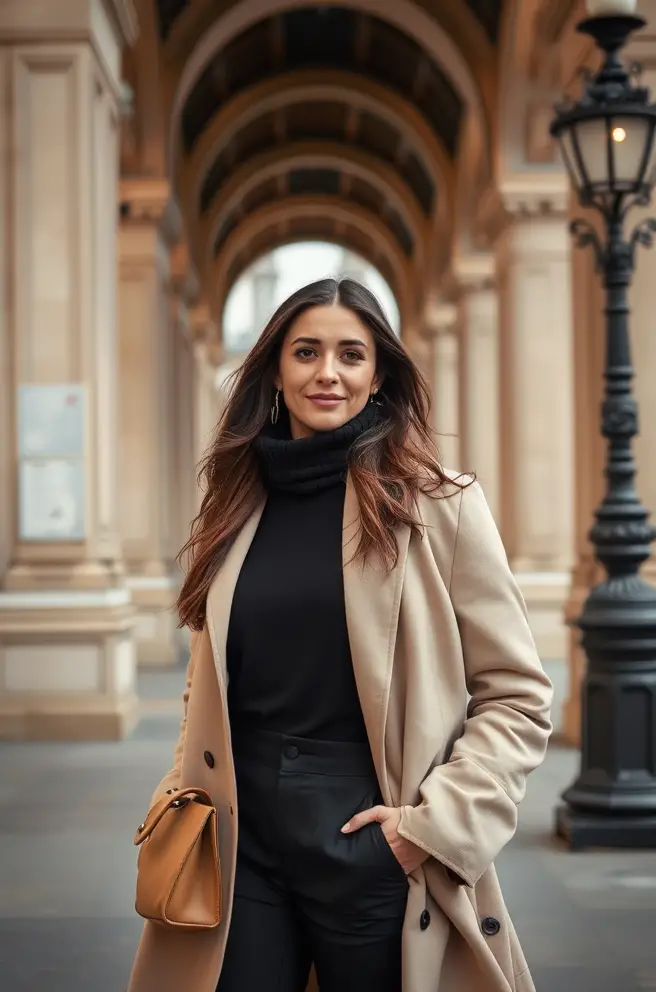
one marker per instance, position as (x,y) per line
(67,667)
(208,355)
(442,324)
(416,340)
(479,323)
(537,425)
(150,225)
(589,344)
(183,299)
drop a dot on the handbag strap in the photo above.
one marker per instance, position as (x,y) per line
(176,801)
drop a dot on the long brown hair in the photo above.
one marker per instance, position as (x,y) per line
(389,465)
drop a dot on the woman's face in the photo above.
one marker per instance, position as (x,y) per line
(327,369)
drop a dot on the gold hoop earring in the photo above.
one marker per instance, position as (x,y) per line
(275,409)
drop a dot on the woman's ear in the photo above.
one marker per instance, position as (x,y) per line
(277,383)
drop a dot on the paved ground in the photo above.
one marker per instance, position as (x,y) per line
(68,812)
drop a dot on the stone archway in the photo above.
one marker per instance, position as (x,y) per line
(278,221)
(403,14)
(427,177)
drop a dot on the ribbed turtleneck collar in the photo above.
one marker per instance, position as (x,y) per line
(312,464)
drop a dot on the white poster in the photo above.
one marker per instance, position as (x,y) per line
(52,500)
(51,421)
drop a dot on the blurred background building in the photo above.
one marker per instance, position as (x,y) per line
(170,171)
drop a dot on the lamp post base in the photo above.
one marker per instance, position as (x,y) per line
(587,830)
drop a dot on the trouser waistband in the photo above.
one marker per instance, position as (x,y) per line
(302,754)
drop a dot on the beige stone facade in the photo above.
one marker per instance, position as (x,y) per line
(151,152)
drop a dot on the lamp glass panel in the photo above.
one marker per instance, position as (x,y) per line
(650,171)
(570,159)
(628,139)
(592,139)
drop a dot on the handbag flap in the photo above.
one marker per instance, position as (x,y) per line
(178,800)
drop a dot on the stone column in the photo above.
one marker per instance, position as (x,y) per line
(150,225)
(537,425)
(183,299)
(479,323)
(66,643)
(417,342)
(442,325)
(589,344)
(208,355)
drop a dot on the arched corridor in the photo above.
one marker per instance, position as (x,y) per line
(170,171)
(160,151)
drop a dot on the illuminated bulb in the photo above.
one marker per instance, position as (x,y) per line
(618,134)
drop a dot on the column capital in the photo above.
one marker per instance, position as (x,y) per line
(474,272)
(440,319)
(539,194)
(544,193)
(26,19)
(146,200)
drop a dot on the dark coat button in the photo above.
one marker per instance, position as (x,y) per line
(209,759)
(291,751)
(424,920)
(490,926)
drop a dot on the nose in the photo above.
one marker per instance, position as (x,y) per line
(327,371)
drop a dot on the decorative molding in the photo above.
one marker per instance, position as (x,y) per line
(440,319)
(542,193)
(67,599)
(536,194)
(143,200)
(474,272)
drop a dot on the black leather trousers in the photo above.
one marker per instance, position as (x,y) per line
(304,892)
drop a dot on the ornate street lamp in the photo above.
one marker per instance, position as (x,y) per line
(607,142)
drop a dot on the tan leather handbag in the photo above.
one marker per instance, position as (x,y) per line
(178,871)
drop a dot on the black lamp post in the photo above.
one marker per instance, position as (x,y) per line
(607,141)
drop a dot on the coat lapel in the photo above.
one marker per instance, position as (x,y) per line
(373,600)
(221,593)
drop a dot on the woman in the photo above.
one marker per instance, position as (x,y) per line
(347,598)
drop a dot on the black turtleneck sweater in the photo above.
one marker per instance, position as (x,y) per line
(289,661)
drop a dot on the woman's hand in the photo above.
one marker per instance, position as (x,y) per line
(407,854)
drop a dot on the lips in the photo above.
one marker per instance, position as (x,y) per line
(326,400)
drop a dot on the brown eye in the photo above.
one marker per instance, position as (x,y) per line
(304,353)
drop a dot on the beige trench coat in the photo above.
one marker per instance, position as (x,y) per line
(447,624)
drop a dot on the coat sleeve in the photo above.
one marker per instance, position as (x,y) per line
(468,809)
(172,778)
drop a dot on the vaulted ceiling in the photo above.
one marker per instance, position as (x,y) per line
(318,146)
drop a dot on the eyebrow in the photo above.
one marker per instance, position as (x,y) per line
(346,341)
